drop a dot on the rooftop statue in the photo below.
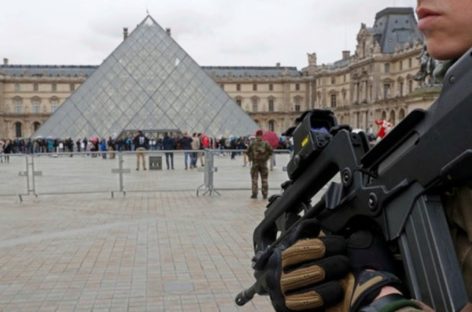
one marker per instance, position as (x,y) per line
(427,66)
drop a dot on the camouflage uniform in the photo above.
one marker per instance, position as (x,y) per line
(458,209)
(259,153)
(459,213)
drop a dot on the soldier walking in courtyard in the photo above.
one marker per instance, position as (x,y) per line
(259,153)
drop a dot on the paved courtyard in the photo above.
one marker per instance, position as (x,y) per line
(149,251)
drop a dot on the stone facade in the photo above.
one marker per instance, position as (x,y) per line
(374,82)
(377,80)
(29,94)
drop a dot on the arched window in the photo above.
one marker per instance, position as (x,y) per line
(384,115)
(18,129)
(36,125)
(392,118)
(271,125)
(401,114)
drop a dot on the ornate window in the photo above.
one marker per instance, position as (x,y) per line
(271,87)
(255,103)
(239,100)
(35,105)
(18,129)
(386,90)
(333,100)
(35,86)
(17,87)
(36,125)
(254,87)
(72,87)
(18,105)
(386,68)
(53,87)
(54,104)
(238,87)
(401,114)
(392,117)
(297,101)
(271,125)
(271,105)
(297,87)
(344,93)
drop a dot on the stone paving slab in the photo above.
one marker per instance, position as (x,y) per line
(148,251)
(165,251)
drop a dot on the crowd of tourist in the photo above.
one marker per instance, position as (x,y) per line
(103,146)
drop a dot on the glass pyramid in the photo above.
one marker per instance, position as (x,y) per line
(149,83)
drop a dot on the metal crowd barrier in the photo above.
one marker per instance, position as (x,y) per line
(116,172)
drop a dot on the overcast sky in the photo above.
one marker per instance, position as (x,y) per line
(213,32)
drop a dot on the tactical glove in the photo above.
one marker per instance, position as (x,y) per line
(373,267)
(304,273)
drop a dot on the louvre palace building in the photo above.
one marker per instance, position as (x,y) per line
(375,81)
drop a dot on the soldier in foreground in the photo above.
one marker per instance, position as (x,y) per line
(259,152)
(309,272)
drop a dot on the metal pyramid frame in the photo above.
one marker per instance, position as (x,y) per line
(148,82)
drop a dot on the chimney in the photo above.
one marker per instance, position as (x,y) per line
(168,31)
(277,64)
(125,33)
(5,61)
(346,54)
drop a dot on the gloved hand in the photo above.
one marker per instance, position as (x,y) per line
(304,273)
(373,267)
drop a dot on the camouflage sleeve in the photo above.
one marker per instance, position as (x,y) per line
(249,152)
(269,149)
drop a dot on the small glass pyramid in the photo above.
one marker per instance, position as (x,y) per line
(150,83)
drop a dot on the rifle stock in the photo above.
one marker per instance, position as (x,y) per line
(395,185)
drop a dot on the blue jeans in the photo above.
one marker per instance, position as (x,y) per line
(187,159)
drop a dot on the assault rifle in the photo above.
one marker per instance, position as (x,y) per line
(396,186)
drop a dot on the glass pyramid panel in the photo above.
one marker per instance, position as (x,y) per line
(148,82)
